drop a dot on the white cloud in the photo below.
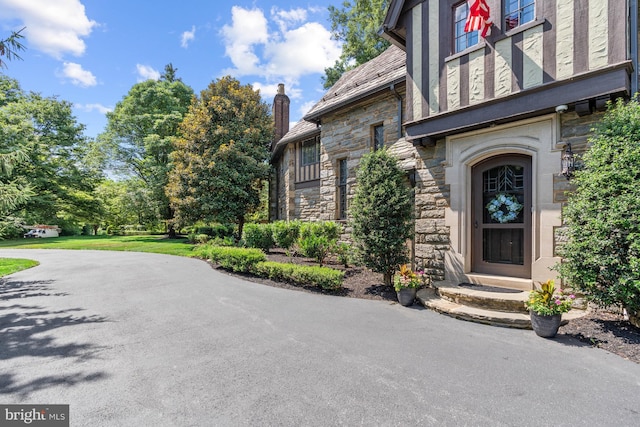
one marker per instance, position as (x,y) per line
(53,27)
(287,18)
(146,72)
(187,37)
(94,107)
(78,75)
(289,50)
(249,28)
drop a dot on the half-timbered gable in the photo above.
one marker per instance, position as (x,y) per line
(493,117)
(539,54)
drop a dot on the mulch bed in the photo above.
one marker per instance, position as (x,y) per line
(599,328)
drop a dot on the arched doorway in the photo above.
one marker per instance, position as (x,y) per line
(501,216)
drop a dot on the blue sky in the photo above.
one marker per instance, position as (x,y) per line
(91,52)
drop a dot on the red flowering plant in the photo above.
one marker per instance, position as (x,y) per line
(407,278)
(549,301)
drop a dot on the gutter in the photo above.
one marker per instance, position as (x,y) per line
(633,36)
(399,98)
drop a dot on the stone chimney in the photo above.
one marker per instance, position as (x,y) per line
(280,114)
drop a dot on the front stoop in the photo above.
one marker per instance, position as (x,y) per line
(490,308)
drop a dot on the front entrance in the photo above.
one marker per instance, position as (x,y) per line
(501,216)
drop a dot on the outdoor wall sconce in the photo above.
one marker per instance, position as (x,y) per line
(411,174)
(568,165)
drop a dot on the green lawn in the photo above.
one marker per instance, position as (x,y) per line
(155,244)
(13,265)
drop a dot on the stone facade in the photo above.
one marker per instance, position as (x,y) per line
(348,134)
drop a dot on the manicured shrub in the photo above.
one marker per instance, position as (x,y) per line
(330,229)
(382,213)
(258,236)
(344,253)
(285,234)
(316,247)
(601,257)
(322,277)
(235,259)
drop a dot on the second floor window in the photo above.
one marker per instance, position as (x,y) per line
(518,12)
(461,39)
(310,152)
(308,160)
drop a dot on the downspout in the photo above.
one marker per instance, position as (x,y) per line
(399,98)
(633,36)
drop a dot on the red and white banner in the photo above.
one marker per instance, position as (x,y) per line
(479,18)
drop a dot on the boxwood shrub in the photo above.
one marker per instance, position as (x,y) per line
(323,277)
(241,260)
(258,236)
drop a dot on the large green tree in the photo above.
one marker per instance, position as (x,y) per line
(356,25)
(141,132)
(48,152)
(221,157)
(381,213)
(602,254)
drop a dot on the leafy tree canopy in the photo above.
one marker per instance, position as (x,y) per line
(45,154)
(141,131)
(221,157)
(356,25)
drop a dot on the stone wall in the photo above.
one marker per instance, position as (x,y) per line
(348,135)
(576,131)
(432,198)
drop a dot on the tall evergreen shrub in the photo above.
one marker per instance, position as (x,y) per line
(381,213)
(602,254)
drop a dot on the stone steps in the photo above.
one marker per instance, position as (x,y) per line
(490,308)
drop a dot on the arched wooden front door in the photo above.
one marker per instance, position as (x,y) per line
(501,216)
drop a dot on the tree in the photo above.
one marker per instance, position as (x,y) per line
(602,254)
(221,157)
(47,152)
(10,47)
(381,213)
(356,25)
(141,131)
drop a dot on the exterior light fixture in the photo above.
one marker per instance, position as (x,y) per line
(568,165)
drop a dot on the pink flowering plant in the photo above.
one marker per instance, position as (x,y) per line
(548,301)
(406,278)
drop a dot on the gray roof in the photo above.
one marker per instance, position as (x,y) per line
(367,79)
(301,130)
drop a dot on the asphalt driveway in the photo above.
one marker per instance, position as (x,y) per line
(131,339)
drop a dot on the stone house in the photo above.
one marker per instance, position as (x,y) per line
(485,127)
(316,161)
(493,118)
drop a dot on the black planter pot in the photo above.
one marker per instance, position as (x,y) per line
(545,326)
(406,296)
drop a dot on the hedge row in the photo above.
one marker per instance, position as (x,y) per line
(253,261)
(313,239)
(323,277)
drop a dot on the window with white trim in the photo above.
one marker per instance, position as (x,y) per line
(518,12)
(462,40)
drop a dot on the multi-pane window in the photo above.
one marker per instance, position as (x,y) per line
(308,160)
(378,137)
(343,173)
(518,12)
(462,40)
(310,152)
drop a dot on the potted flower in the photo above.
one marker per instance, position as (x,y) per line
(406,283)
(546,306)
